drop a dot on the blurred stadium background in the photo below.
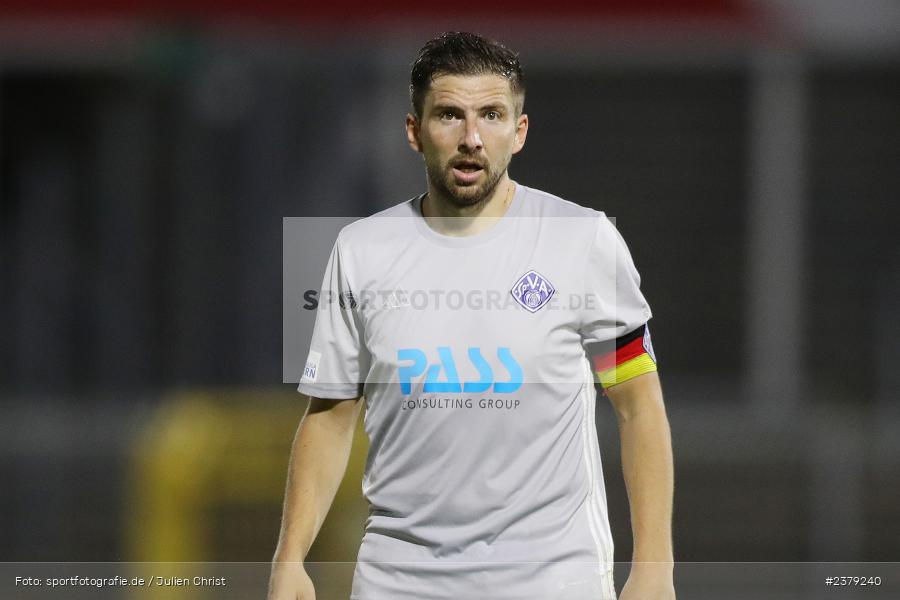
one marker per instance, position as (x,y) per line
(750,151)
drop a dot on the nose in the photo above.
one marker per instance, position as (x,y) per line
(472,140)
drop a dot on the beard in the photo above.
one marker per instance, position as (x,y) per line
(464,196)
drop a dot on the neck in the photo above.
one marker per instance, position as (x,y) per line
(447,218)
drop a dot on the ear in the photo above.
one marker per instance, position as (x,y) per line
(412,133)
(521,132)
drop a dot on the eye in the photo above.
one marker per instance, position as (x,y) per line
(492,115)
(448,115)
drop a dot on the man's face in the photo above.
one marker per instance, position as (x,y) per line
(467,133)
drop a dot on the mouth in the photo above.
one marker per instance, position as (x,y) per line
(467,171)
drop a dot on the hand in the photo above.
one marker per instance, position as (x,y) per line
(649,582)
(289,581)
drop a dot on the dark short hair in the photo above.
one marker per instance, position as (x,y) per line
(461,53)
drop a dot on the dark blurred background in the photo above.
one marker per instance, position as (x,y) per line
(748,149)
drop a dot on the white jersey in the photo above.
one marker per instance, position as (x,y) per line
(483,475)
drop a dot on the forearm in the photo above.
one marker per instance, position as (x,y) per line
(649,479)
(319,457)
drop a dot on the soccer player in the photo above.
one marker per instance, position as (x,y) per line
(471,321)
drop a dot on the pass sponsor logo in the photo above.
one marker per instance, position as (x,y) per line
(443,376)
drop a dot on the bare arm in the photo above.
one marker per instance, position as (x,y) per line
(319,458)
(649,478)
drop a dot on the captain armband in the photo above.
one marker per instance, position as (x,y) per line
(633,356)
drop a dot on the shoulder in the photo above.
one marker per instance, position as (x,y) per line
(576,221)
(573,220)
(544,204)
(379,227)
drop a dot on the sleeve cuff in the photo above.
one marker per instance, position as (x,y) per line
(330,392)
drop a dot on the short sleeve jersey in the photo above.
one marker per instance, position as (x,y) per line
(476,357)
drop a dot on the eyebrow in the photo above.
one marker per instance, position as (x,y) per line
(498,106)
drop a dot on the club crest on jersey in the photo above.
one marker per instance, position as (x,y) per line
(533,291)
